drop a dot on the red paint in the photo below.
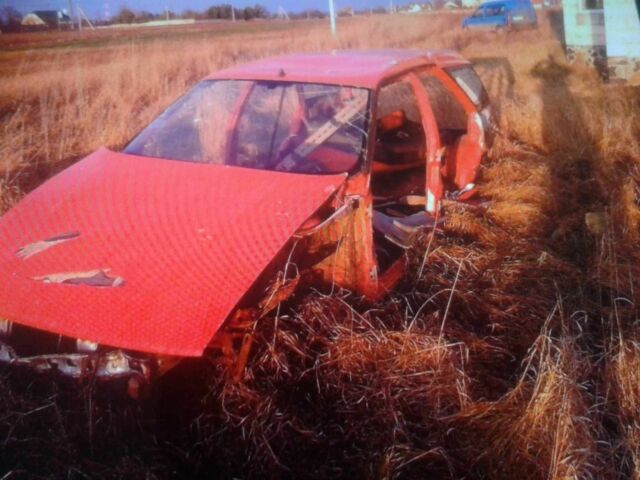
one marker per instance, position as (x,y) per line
(354,68)
(463,162)
(187,239)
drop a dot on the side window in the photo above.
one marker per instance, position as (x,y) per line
(400,135)
(449,113)
(398,96)
(593,4)
(470,83)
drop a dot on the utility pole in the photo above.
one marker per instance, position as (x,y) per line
(390,6)
(81,14)
(233,13)
(282,13)
(166,12)
(71,14)
(332,17)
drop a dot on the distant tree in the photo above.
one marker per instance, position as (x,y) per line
(124,15)
(247,13)
(10,19)
(219,12)
(309,13)
(211,12)
(260,11)
(257,11)
(315,14)
(143,16)
(189,14)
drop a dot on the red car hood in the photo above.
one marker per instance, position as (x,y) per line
(147,254)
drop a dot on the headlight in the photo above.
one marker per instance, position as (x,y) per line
(85,346)
(5,327)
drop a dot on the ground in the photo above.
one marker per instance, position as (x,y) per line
(510,350)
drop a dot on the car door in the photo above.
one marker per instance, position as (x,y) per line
(461,108)
(404,170)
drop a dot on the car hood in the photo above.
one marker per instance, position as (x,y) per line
(147,254)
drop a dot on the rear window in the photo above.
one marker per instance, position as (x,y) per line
(470,83)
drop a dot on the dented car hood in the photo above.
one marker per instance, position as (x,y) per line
(147,254)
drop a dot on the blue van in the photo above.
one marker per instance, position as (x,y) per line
(502,15)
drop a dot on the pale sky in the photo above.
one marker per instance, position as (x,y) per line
(96,8)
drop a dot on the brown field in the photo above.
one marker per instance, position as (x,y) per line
(511,349)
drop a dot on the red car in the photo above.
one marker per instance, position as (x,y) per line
(314,168)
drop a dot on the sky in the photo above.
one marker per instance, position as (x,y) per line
(96,8)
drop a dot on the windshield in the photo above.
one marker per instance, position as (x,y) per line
(283,126)
(490,11)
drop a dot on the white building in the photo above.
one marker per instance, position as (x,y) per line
(606,33)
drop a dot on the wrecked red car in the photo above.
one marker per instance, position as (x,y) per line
(306,168)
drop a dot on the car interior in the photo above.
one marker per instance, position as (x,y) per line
(398,180)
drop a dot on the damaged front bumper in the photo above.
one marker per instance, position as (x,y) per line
(103,366)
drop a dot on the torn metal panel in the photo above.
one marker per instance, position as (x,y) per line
(91,278)
(352,262)
(35,248)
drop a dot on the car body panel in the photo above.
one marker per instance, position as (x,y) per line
(366,69)
(147,254)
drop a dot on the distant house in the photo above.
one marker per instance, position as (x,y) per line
(416,8)
(605,33)
(47,19)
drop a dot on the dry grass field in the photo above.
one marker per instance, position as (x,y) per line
(511,349)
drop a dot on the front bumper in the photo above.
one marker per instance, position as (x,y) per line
(103,366)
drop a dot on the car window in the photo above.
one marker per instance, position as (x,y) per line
(400,134)
(264,123)
(448,111)
(285,126)
(398,96)
(491,10)
(193,128)
(471,85)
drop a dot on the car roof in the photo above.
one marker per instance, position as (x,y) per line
(367,68)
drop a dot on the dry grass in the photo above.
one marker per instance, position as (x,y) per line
(509,351)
